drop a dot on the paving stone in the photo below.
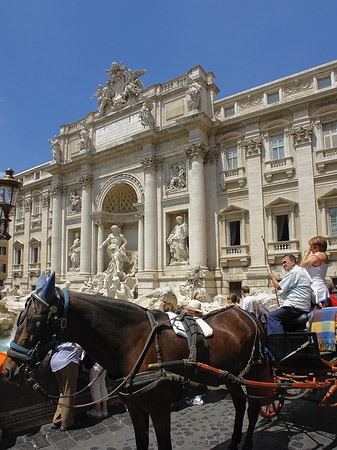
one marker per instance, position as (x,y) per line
(302,425)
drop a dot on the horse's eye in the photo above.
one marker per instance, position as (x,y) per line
(38,324)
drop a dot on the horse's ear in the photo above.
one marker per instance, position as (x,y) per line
(41,282)
(48,291)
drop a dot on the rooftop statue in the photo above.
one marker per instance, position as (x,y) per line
(122,85)
(55,149)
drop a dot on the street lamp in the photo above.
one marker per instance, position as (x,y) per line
(9,190)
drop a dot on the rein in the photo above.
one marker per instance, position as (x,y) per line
(154,326)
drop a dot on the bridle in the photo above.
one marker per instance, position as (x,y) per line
(37,325)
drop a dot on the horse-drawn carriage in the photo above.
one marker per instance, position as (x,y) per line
(153,367)
(304,358)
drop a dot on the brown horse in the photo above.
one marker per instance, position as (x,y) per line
(120,337)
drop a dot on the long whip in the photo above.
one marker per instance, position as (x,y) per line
(266,258)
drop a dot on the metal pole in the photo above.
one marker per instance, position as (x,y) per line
(269,268)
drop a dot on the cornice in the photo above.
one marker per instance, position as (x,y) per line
(327,101)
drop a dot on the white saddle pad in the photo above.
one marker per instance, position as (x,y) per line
(179,328)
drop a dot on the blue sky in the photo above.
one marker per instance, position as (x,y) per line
(54,53)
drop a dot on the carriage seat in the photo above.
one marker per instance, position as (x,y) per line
(298,324)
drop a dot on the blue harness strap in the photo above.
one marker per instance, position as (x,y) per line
(64,319)
(20,349)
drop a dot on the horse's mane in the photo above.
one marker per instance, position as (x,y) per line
(102,300)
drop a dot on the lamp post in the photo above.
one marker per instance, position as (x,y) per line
(9,190)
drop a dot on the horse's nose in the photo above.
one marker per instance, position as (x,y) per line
(8,368)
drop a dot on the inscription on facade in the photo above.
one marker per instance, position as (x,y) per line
(123,127)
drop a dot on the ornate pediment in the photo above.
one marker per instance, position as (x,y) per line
(281,202)
(232,209)
(121,87)
(331,195)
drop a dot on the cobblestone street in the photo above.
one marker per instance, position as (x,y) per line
(300,425)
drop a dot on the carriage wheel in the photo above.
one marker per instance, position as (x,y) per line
(272,409)
(295,394)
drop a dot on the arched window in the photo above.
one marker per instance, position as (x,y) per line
(120,199)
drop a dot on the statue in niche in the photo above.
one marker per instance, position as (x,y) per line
(193,96)
(116,250)
(55,149)
(83,142)
(75,201)
(177,242)
(146,118)
(75,252)
(178,180)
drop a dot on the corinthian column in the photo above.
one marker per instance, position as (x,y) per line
(197,217)
(86,183)
(57,191)
(150,164)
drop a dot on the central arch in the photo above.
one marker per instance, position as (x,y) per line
(107,189)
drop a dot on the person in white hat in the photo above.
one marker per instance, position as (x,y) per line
(194,307)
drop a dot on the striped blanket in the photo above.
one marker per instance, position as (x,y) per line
(323,323)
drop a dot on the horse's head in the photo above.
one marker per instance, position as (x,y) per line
(37,328)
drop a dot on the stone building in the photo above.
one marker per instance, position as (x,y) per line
(228,171)
(3,261)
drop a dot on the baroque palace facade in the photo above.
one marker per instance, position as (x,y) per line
(256,167)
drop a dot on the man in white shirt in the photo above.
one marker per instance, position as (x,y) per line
(249,303)
(296,287)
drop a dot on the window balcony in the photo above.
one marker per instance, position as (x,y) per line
(36,222)
(332,245)
(325,157)
(19,225)
(236,255)
(18,269)
(283,166)
(233,176)
(34,268)
(279,248)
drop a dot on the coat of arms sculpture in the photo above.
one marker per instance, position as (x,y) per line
(122,86)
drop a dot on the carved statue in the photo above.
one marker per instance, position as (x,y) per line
(84,143)
(55,149)
(119,286)
(104,100)
(193,96)
(122,85)
(177,242)
(75,201)
(116,250)
(75,252)
(146,118)
(178,180)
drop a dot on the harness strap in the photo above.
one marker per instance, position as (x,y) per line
(64,320)
(20,349)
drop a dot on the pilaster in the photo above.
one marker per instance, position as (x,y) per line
(252,149)
(210,168)
(302,137)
